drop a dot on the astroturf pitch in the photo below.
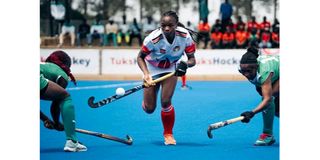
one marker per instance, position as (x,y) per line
(206,103)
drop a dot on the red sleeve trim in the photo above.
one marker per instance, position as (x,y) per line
(191,48)
(145,49)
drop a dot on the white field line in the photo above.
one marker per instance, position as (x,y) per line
(105,86)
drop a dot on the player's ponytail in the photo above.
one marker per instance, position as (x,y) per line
(62,59)
(250,57)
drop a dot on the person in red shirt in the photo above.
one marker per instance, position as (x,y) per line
(232,26)
(253,25)
(254,38)
(228,39)
(265,38)
(240,23)
(204,32)
(218,25)
(241,38)
(275,38)
(265,23)
(216,37)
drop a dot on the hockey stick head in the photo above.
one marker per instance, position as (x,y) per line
(209,132)
(91,103)
(129,140)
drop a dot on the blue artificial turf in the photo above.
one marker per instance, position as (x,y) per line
(208,102)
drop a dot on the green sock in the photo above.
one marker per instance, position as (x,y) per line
(268,116)
(68,118)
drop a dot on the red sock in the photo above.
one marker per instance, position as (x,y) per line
(184,79)
(167,116)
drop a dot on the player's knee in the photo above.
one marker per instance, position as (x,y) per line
(165,103)
(62,96)
(148,108)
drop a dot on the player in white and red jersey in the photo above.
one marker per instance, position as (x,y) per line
(160,55)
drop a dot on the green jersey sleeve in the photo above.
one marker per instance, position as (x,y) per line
(268,64)
(52,72)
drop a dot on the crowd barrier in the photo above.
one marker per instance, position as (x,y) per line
(121,64)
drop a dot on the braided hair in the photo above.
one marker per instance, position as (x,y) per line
(63,60)
(173,14)
(250,57)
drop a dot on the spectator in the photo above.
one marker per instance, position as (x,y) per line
(275,39)
(228,39)
(254,38)
(218,25)
(265,38)
(225,13)
(241,37)
(96,32)
(276,25)
(111,32)
(148,27)
(232,26)
(253,25)
(204,32)
(240,24)
(83,31)
(216,38)
(123,34)
(135,32)
(67,30)
(265,23)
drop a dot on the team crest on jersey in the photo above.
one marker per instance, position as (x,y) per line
(163,51)
(176,48)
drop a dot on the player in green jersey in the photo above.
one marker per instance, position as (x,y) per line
(263,72)
(54,76)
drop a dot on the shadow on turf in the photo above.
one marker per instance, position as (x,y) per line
(51,150)
(160,143)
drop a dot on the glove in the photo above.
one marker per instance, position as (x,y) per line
(48,124)
(181,69)
(247,116)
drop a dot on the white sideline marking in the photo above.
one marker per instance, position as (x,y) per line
(105,86)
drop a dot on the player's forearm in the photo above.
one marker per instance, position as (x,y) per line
(265,102)
(191,60)
(142,65)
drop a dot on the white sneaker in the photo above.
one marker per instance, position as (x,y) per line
(71,146)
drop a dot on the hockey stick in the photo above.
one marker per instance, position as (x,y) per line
(108,100)
(127,141)
(222,124)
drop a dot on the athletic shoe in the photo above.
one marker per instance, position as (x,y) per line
(265,140)
(169,140)
(72,146)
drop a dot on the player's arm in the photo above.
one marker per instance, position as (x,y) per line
(46,121)
(266,99)
(191,60)
(62,82)
(143,66)
(267,92)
